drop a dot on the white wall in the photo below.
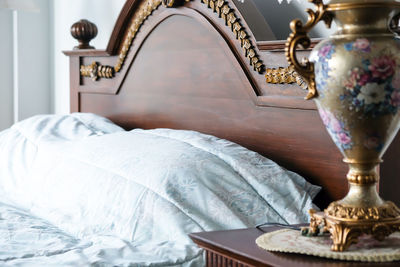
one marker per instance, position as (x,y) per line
(279,16)
(255,20)
(24,64)
(6,70)
(103,13)
(34,61)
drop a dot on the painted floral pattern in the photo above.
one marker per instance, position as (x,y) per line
(361,44)
(373,88)
(322,66)
(337,129)
(373,142)
(368,88)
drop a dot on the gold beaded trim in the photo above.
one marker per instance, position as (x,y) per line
(284,75)
(96,71)
(224,11)
(145,10)
(360,178)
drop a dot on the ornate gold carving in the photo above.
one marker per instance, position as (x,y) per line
(317,225)
(350,213)
(355,215)
(105,71)
(144,11)
(346,223)
(224,11)
(284,75)
(299,36)
(89,71)
(96,71)
(343,236)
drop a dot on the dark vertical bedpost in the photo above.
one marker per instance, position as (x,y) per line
(74,62)
(83,31)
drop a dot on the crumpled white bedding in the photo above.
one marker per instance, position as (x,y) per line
(77,190)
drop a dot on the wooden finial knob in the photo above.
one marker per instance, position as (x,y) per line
(84,31)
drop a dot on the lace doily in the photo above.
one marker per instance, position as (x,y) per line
(367,249)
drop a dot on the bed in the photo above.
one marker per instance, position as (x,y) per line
(189,107)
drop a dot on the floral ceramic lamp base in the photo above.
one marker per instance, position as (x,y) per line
(354,78)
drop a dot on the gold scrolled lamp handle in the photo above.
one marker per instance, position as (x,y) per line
(299,36)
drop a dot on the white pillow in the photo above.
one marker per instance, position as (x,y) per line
(19,145)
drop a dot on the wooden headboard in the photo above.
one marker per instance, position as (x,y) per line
(196,65)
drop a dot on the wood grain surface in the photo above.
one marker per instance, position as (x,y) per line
(239,247)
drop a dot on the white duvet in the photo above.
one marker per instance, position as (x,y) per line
(78,190)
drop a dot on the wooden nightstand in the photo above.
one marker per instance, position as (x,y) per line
(238,248)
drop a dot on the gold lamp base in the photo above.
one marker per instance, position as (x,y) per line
(354,77)
(361,211)
(347,223)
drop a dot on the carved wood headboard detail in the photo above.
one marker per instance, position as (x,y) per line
(222,8)
(233,28)
(197,66)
